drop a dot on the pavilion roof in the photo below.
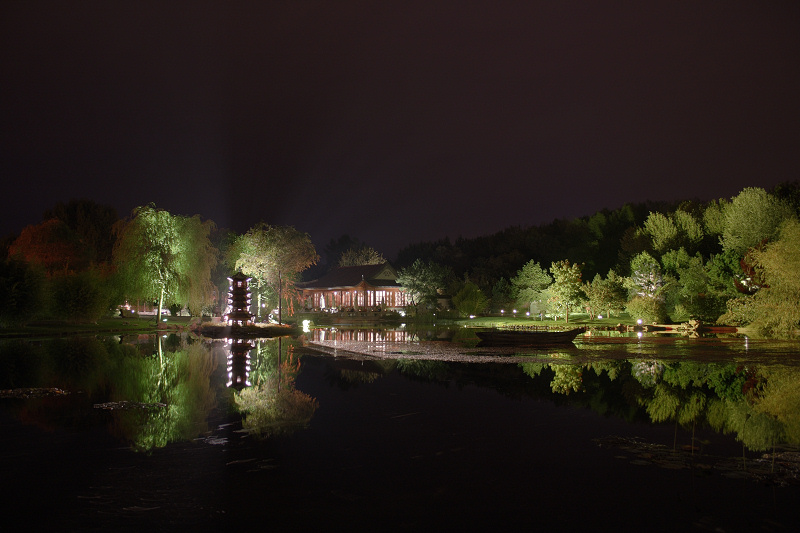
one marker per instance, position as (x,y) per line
(382,275)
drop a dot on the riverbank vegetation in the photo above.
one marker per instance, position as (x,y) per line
(728,260)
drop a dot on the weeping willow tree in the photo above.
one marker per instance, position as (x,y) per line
(163,397)
(159,255)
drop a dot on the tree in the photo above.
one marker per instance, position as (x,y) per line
(361,255)
(53,245)
(662,230)
(529,283)
(774,310)
(470,300)
(275,256)
(160,255)
(422,281)
(605,293)
(566,291)
(646,277)
(502,294)
(753,216)
(93,222)
(22,291)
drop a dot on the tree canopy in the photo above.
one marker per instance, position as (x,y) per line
(274,256)
(159,255)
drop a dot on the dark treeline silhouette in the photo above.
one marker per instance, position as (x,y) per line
(598,241)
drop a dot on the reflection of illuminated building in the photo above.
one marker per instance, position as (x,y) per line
(238,313)
(239,363)
(364,335)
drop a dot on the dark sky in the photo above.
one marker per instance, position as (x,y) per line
(393,121)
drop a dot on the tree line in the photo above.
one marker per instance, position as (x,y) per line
(730,259)
(82,262)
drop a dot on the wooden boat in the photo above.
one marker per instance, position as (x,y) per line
(514,337)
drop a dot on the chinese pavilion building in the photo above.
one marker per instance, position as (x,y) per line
(354,288)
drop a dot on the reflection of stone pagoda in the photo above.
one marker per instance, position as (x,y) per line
(239,301)
(239,363)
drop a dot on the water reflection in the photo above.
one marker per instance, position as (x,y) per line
(151,391)
(271,405)
(718,383)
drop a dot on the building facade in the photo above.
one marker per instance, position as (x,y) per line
(354,288)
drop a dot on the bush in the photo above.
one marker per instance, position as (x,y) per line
(651,310)
(22,291)
(79,297)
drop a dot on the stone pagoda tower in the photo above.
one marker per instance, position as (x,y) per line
(239,301)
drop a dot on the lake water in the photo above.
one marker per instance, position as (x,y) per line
(402,431)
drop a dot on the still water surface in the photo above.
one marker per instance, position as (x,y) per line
(401,430)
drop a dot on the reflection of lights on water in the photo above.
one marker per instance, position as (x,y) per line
(639,334)
(746,342)
(306,326)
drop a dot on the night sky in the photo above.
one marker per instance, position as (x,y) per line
(393,121)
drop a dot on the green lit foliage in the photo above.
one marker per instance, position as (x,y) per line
(270,412)
(649,310)
(714,217)
(169,393)
(274,256)
(775,309)
(566,291)
(160,255)
(361,255)
(662,231)
(606,295)
(422,282)
(22,291)
(646,279)
(690,293)
(470,300)
(529,284)
(780,399)
(273,406)
(567,378)
(753,216)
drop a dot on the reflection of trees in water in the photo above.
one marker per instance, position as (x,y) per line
(760,406)
(177,387)
(427,370)
(273,406)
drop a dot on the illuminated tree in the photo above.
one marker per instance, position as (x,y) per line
(753,217)
(662,231)
(470,300)
(566,291)
(274,256)
(160,255)
(422,281)
(774,310)
(529,283)
(607,294)
(646,277)
(361,255)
